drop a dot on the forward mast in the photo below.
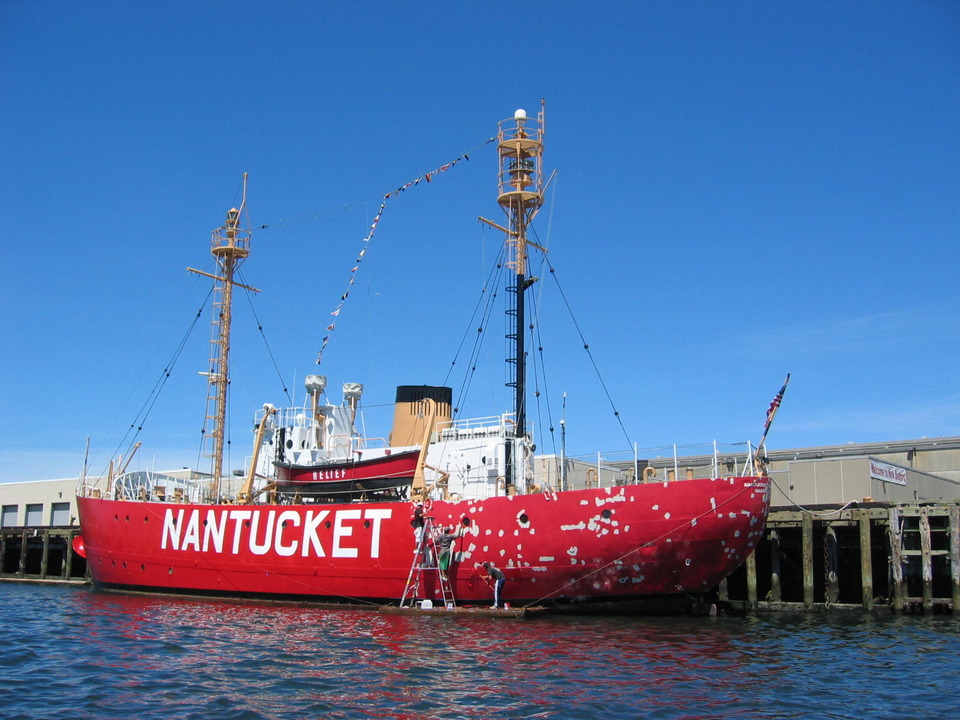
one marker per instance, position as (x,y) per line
(520,147)
(230,246)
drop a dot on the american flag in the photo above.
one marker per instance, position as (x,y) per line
(775,405)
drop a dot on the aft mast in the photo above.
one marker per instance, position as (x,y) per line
(230,245)
(520,146)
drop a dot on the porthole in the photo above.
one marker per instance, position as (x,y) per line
(606,513)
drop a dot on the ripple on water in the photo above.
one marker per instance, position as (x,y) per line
(77,653)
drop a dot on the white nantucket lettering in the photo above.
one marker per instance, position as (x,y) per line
(238,516)
(287,516)
(261,548)
(310,537)
(214,531)
(191,535)
(341,531)
(263,531)
(377,516)
(171,529)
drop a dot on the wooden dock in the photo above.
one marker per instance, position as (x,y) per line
(42,554)
(464,611)
(874,557)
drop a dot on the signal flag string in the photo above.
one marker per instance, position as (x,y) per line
(428,177)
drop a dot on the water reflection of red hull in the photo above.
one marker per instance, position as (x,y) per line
(620,543)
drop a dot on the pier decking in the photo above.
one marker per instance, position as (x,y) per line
(41,554)
(874,557)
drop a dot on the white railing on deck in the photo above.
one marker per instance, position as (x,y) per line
(606,469)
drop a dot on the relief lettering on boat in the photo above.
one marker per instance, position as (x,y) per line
(283,532)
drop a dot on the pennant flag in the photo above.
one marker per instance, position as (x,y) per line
(373,228)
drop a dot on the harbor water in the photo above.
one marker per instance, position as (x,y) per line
(71,652)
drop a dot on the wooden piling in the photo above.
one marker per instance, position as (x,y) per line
(23,552)
(807,541)
(866,560)
(775,592)
(831,567)
(955,558)
(68,557)
(752,580)
(723,592)
(926,560)
(45,554)
(896,560)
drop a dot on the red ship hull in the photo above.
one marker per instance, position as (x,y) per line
(622,543)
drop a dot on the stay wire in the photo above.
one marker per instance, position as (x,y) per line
(488,293)
(586,347)
(540,372)
(267,346)
(537,370)
(141,417)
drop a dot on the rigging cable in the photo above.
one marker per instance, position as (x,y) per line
(489,293)
(586,346)
(140,418)
(540,357)
(266,344)
(540,364)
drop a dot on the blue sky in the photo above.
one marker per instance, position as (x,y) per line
(743,189)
